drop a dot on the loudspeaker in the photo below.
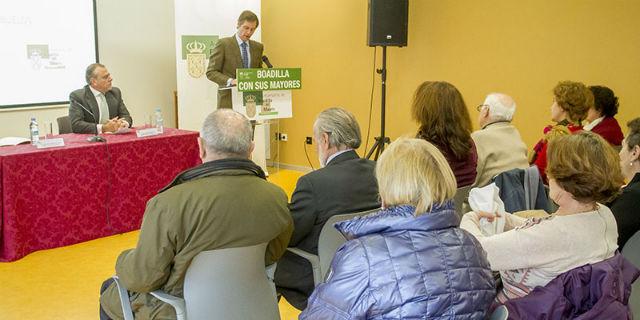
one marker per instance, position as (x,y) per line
(388,21)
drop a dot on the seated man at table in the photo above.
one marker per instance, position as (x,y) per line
(345,184)
(225,202)
(98,107)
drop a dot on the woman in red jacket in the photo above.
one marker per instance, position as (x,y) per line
(600,115)
(571,101)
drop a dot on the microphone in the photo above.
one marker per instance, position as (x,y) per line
(85,109)
(266,61)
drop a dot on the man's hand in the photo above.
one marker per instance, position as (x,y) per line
(234,82)
(111,125)
(122,123)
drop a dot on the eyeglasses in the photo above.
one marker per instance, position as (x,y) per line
(480,106)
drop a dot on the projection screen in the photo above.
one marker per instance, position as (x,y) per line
(46,47)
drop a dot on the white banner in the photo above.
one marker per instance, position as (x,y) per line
(269,105)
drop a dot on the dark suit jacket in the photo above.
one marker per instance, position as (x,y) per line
(347,184)
(85,121)
(225,59)
(625,210)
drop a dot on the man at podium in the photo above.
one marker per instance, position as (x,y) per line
(232,53)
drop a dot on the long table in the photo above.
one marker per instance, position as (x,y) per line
(84,190)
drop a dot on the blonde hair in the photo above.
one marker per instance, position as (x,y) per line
(414,172)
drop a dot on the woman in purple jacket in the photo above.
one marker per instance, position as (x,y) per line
(409,260)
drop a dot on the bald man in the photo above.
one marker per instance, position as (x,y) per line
(499,145)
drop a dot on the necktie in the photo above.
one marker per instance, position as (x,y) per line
(104,108)
(245,55)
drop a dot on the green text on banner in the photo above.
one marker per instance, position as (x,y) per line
(269,79)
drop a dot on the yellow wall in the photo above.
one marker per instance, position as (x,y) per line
(517,47)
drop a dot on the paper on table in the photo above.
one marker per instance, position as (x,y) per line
(487,199)
(13,141)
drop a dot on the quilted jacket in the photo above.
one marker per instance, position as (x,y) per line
(593,291)
(400,266)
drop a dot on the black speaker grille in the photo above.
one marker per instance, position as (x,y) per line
(387,23)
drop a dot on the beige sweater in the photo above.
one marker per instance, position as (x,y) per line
(532,252)
(500,148)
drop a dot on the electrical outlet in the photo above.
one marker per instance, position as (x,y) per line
(284,137)
(308,140)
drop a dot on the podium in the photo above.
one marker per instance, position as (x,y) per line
(263,95)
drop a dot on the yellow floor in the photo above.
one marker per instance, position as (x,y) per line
(64,283)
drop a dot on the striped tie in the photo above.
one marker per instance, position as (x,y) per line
(245,55)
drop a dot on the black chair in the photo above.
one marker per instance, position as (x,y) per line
(64,125)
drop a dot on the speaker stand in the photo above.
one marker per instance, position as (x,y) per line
(382,140)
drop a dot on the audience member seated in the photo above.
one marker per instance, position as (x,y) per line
(600,115)
(571,101)
(626,207)
(409,260)
(500,147)
(590,292)
(345,184)
(225,202)
(583,172)
(444,121)
(98,107)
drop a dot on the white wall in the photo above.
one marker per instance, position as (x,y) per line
(136,43)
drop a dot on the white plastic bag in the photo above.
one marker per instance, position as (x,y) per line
(487,199)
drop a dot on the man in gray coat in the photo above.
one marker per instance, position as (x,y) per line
(225,202)
(345,184)
(232,53)
(98,107)
(499,145)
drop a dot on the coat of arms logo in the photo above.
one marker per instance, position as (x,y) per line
(251,106)
(195,58)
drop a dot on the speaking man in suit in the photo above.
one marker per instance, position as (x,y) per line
(98,107)
(232,53)
(345,184)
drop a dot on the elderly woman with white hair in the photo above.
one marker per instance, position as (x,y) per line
(409,260)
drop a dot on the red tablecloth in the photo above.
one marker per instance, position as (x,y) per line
(82,191)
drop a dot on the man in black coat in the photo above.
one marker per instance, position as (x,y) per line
(345,184)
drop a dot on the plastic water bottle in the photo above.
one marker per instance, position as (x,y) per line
(159,121)
(34,131)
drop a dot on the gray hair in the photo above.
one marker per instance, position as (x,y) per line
(91,69)
(341,127)
(501,107)
(227,133)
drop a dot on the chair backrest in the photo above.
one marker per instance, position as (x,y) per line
(331,239)
(500,313)
(522,189)
(230,284)
(64,125)
(462,195)
(631,252)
